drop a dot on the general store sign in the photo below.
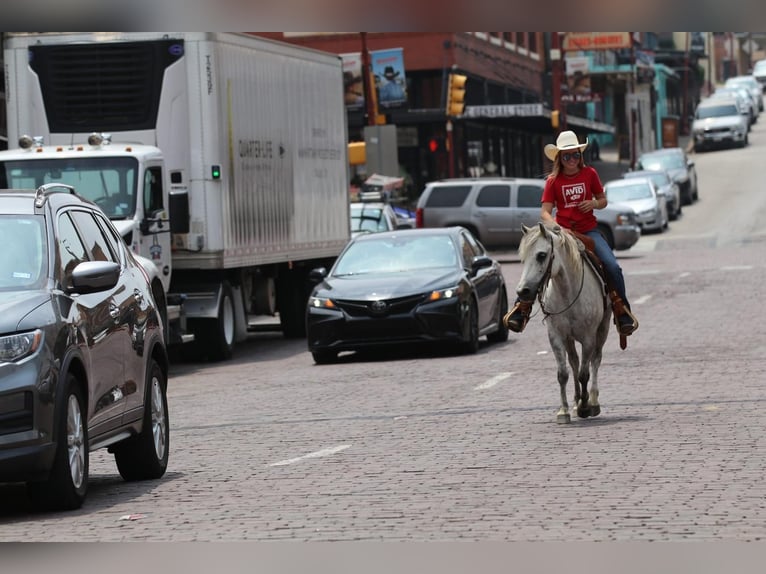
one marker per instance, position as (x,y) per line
(503,111)
(596,41)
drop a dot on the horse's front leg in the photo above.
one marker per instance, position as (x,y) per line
(562,417)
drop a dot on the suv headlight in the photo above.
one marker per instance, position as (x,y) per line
(16,347)
(626,219)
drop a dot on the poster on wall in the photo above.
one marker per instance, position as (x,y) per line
(579,81)
(390,81)
(353,87)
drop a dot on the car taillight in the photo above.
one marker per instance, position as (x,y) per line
(419,217)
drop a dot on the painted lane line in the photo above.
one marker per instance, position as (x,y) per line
(542,352)
(317,454)
(641,300)
(737,268)
(488,384)
(684,274)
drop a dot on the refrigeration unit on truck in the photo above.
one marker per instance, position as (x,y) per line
(220,157)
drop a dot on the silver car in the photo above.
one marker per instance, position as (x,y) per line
(641,195)
(718,122)
(666,187)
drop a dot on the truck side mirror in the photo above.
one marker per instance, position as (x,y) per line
(179,212)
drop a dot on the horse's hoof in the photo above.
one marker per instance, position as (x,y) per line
(584,411)
(564,419)
(595,410)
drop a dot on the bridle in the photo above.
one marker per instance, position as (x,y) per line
(544,282)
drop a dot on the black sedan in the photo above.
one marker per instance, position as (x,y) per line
(407,286)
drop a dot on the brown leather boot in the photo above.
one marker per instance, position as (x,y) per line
(516,319)
(625,321)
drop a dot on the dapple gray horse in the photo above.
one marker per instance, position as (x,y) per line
(573,298)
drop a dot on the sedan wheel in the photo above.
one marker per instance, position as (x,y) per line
(471,344)
(501,334)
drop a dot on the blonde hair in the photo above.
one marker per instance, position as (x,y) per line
(557,165)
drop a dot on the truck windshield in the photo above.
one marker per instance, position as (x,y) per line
(110,182)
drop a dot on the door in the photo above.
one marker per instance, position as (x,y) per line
(527,201)
(96,320)
(155,231)
(491,213)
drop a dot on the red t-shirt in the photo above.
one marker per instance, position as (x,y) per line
(566,192)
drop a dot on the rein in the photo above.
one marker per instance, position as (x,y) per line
(544,281)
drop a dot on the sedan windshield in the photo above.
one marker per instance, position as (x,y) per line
(662,161)
(397,254)
(716,112)
(628,192)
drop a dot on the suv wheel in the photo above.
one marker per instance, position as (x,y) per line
(67,484)
(145,456)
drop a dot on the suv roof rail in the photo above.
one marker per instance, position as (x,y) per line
(47,188)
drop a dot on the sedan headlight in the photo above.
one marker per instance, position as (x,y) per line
(321,303)
(16,347)
(441,294)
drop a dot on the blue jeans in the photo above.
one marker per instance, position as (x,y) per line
(609,261)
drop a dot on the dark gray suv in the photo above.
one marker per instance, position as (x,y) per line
(82,359)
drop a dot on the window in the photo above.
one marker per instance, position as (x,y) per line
(494,196)
(93,237)
(530,195)
(71,249)
(448,196)
(153,203)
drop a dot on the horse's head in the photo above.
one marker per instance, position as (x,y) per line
(536,252)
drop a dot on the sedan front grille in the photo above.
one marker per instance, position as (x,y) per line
(379,307)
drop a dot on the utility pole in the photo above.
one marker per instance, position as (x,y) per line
(367,82)
(559,119)
(685,108)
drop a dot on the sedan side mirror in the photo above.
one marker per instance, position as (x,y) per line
(480,261)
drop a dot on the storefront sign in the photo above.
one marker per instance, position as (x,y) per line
(503,111)
(596,41)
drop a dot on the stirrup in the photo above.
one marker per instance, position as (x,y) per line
(523,308)
(626,330)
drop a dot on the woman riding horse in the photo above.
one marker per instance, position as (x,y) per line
(576,190)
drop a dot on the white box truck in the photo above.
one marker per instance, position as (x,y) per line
(221,157)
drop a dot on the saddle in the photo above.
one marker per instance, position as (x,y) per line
(618,307)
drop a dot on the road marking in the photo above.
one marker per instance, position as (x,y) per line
(317,454)
(488,384)
(684,274)
(542,352)
(646,272)
(737,268)
(641,300)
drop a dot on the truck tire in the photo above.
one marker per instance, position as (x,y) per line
(214,338)
(67,484)
(145,456)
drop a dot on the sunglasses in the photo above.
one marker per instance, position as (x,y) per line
(567,156)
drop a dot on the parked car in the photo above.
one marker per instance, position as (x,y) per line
(744,101)
(640,194)
(718,122)
(752,85)
(494,209)
(407,286)
(83,364)
(680,167)
(374,216)
(666,187)
(759,73)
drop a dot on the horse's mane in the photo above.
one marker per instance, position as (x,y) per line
(568,244)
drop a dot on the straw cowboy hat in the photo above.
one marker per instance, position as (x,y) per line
(566,141)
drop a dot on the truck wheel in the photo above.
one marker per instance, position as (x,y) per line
(214,338)
(145,456)
(67,484)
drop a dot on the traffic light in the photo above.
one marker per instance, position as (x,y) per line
(456,94)
(437,144)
